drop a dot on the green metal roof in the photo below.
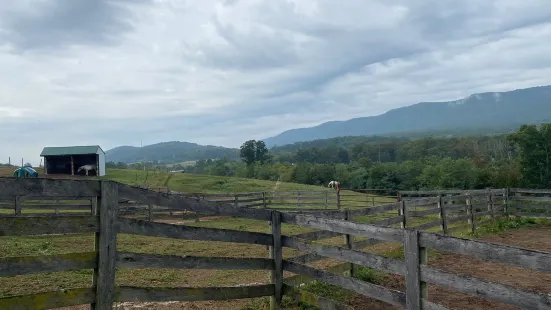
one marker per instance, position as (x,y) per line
(70,150)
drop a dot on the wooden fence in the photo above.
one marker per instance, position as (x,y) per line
(408,216)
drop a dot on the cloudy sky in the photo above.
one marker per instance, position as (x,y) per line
(117,72)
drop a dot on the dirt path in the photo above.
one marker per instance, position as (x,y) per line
(538,238)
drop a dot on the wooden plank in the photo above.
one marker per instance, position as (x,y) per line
(531,198)
(532,214)
(412,262)
(41,225)
(529,191)
(23,265)
(313,257)
(344,227)
(486,290)
(133,294)
(153,229)
(317,235)
(534,206)
(140,260)
(371,290)
(49,300)
(375,210)
(536,260)
(40,187)
(420,202)
(107,247)
(313,299)
(189,204)
(348,255)
(276,254)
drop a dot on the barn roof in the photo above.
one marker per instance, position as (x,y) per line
(70,150)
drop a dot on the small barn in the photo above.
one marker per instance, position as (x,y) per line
(68,159)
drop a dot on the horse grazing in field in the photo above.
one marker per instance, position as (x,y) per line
(334,184)
(87,168)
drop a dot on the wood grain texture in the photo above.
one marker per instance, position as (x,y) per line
(191,204)
(378,292)
(133,294)
(486,290)
(344,227)
(107,246)
(375,210)
(140,260)
(22,265)
(49,300)
(154,229)
(41,187)
(413,285)
(41,225)
(536,260)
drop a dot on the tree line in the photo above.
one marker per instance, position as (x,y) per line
(519,159)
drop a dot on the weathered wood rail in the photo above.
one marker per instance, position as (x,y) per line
(105,221)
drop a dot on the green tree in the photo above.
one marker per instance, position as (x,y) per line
(534,146)
(261,152)
(247,151)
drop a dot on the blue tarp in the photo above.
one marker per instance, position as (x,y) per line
(25,172)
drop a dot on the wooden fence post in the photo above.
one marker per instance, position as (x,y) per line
(264,202)
(326,200)
(403,211)
(276,253)
(299,199)
(94,206)
(17,205)
(470,212)
(106,245)
(338,193)
(150,213)
(506,202)
(373,200)
(490,204)
(349,240)
(414,256)
(517,204)
(442,215)
(236,203)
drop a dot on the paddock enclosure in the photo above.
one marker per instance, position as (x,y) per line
(317,240)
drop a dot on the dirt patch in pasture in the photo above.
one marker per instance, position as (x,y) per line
(535,238)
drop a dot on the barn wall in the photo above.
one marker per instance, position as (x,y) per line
(101,159)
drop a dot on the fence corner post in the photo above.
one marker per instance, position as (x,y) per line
(414,256)
(17,205)
(403,212)
(276,253)
(470,220)
(349,241)
(106,245)
(506,202)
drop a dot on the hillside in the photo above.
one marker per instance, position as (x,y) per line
(169,153)
(488,111)
(190,183)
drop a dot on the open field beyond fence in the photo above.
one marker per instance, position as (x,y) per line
(236,254)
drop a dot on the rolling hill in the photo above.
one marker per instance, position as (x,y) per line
(500,111)
(169,153)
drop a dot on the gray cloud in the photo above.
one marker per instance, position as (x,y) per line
(220,72)
(30,25)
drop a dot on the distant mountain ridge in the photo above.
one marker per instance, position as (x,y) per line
(169,153)
(484,110)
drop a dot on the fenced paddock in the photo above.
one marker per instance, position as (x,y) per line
(298,231)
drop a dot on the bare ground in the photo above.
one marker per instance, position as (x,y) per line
(532,238)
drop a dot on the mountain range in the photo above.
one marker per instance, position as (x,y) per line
(484,113)
(504,110)
(169,153)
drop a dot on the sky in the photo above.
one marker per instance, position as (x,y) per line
(220,72)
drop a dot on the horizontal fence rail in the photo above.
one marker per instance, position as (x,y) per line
(107,209)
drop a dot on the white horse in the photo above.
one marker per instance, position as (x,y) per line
(334,184)
(87,168)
